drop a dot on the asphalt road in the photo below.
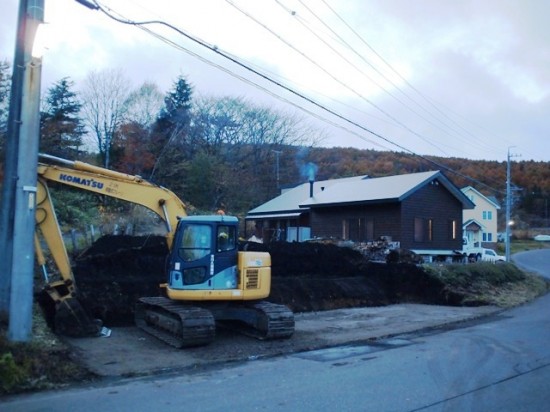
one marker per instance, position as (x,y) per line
(498,363)
(535,261)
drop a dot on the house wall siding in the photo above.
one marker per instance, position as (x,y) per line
(433,202)
(396,220)
(327,222)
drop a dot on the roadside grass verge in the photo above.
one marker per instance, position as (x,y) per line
(477,284)
(43,363)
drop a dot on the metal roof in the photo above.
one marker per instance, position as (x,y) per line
(290,200)
(276,215)
(355,190)
(387,189)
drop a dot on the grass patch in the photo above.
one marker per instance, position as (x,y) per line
(483,283)
(43,363)
(522,245)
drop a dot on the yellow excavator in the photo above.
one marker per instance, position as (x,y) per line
(208,279)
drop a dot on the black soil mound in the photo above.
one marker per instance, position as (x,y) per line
(117,270)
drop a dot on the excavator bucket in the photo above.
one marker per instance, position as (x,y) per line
(71,319)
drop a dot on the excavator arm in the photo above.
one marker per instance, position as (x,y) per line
(70,318)
(117,185)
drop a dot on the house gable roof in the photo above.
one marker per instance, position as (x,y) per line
(472,223)
(353,190)
(290,200)
(490,199)
(383,189)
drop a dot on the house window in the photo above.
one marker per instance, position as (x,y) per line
(423,229)
(484,215)
(453,229)
(485,237)
(489,215)
(357,229)
(489,237)
(345,230)
(418,229)
(370,230)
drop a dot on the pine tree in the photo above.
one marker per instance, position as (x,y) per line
(61,127)
(177,106)
(171,136)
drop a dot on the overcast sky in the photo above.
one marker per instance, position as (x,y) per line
(451,78)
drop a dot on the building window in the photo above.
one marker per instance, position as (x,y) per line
(370,230)
(489,215)
(489,237)
(484,215)
(423,229)
(345,230)
(453,229)
(418,229)
(357,229)
(484,237)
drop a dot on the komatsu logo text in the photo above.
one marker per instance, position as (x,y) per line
(80,181)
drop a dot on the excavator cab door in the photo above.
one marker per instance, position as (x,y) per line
(204,255)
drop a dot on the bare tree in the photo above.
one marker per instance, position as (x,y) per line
(239,124)
(233,142)
(105,98)
(144,105)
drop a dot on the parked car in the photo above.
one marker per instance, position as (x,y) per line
(542,238)
(492,256)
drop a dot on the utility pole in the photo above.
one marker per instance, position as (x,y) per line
(10,162)
(277,154)
(508,202)
(22,264)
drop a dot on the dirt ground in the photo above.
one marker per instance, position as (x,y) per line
(338,296)
(131,352)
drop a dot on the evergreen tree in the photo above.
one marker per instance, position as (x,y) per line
(61,127)
(171,140)
(177,107)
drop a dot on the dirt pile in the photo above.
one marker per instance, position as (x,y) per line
(116,270)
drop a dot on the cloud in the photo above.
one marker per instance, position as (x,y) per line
(481,67)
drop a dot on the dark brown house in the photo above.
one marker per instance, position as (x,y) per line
(421,211)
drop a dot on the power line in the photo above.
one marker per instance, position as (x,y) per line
(142,24)
(455,134)
(333,77)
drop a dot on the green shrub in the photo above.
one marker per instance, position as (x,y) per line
(11,374)
(483,272)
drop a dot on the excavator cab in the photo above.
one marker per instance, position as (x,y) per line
(204,254)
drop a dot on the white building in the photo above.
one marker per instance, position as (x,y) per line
(480,223)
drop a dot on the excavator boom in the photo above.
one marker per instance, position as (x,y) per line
(208,279)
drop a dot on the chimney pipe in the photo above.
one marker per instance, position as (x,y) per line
(311,188)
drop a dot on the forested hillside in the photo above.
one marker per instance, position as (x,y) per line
(530,180)
(226,152)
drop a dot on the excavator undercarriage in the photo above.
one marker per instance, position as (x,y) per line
(184,325)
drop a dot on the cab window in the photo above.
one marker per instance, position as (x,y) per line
(226,239)
(196,241)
